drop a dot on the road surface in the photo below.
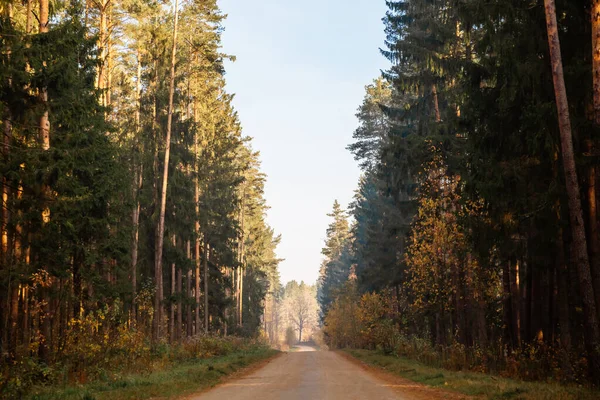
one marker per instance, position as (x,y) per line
(305,374)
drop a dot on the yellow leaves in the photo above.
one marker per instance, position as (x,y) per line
(46,215)
(42,279)
(360,321)
(439,248)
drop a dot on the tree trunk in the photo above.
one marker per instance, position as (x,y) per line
(155,193)
(507,306)
(179,325)
(591,197)
(580,255)
(101,78)
(137,184)
(13,318)
(44,128)
(436,105)
(197,231)
(28,17)
(236,278)
(173,294)
(5,248)
(138,176)
(459,297)
(109,58)
(595,13)
(206,277)
(25,320)
(536,299)
(516,302)
(241,272)
(44,135)
(188,292)
(77,285)
(165,180)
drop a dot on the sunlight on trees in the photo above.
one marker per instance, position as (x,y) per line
(463,220)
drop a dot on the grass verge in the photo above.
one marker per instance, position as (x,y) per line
(174,381)
(470,383)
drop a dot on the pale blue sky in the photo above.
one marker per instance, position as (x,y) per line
(299,77)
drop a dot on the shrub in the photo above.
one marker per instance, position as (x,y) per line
(99,347)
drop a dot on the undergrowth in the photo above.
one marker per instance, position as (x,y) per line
(127,362)
(472,383)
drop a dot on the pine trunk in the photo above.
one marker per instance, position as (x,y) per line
(507,306)
(29,17)
(137,183)
(165,180)
(138,176)
(101,83)
(241,268)
(5,246)
(179,324)
(188,291)
(516,302)
(173,294)
(436,105)
(44,128)
(591,197)
(44,135)
(157,316)
(242,273)
(206,277)
(197,232)
(580,251)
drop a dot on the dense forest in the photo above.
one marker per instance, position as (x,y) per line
(133,223)
(132,204)
(473,241)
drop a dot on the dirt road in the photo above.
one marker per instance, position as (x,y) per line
(307,374)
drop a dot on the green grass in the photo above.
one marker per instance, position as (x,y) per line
(470,383)
(173,381)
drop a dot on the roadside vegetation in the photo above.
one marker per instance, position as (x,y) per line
(166,371)
(473,241)
(471,383)
(367,325)
(132,217)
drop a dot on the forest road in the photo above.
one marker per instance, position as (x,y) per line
(310,375)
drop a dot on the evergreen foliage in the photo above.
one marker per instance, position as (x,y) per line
(461,215)
(79,216)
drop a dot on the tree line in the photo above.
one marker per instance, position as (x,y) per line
(476,214)
(128,188)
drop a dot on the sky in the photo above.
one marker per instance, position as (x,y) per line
(298,80)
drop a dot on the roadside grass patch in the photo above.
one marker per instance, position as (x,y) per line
(471,383)
(172,381)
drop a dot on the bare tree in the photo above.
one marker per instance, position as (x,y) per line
(300,307)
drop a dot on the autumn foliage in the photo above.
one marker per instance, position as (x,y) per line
(448,310)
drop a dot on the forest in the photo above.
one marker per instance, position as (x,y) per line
(133,230)
(133,212)
(473,238)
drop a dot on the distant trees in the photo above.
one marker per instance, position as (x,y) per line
(335,268)
(299,308)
